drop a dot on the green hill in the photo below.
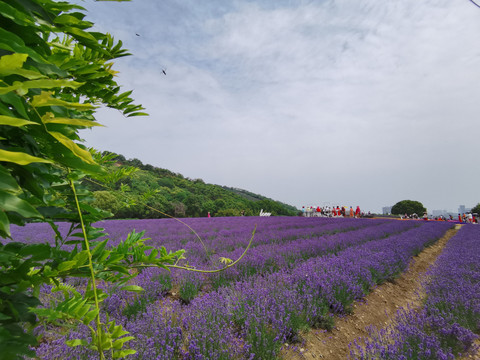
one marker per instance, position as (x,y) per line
(150,188)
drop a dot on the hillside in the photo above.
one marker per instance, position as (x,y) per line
(171,193)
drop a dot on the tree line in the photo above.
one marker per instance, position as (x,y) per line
(152,192)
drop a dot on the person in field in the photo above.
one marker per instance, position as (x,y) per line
(351,212)
(357,212)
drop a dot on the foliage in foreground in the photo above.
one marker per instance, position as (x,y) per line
(54,72)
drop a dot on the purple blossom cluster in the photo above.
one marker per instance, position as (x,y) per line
(445,327)
(299,274)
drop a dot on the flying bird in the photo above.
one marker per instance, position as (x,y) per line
(164,72)
(137,34)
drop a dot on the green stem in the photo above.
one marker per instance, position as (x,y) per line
(205,271)
(92,273)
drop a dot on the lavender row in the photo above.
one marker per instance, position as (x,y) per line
(228,234)
(217,234)
(253,318)
(297,240)
(445,327)
(264,259)
(273,257)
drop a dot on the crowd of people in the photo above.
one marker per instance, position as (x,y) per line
(344,212)
(332,211)
(467,218)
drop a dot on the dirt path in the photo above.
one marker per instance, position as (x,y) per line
(378,309)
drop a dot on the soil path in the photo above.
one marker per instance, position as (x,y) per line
(378,309)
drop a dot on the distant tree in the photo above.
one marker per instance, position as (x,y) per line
(220,204)
(147,167)
(178,209)
(476,209)
(135,162)
(408,207)
(167,182)
(105,200)
(209,207)
(120,158)
(194,205)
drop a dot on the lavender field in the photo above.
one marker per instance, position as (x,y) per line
(299,273)
(445,327)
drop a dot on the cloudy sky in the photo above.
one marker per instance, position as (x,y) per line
(333,102)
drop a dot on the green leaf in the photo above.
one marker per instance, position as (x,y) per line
(226,261)
(37,251)
(8,183)
(13,121)
(119,269)
(118,344)
(74,148)
(4,317)
(12,64)
(20,158)
(76,342)
(81,258)
(116,330)
(90,316)
(123,353)
(99,248)
(11,42)
(17,102)
(4,225)
(46,99)
(22,87)
(9,202)
(67,19)
(13,61)
(134,288)
(13,14)
(66,265)
(138,114)
(67,121)
(80,34)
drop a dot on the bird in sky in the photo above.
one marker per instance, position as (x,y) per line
(137,34)
(164,71)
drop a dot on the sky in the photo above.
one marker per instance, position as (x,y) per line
(333,102)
